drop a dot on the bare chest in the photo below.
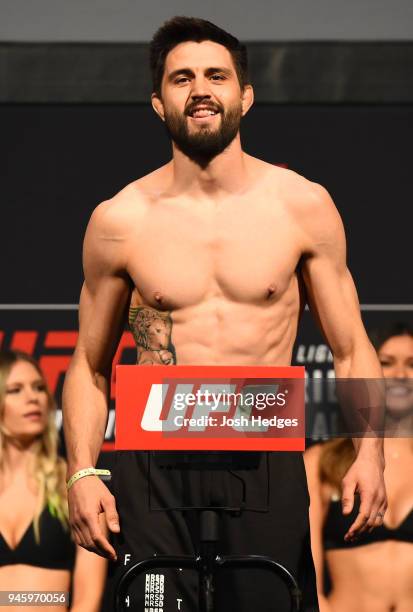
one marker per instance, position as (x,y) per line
(246,253)
(400,498)
(13,525)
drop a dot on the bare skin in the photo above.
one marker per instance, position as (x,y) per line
(225,252)
(376,577)
(25,394)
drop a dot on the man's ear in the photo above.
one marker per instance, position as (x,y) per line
(247,99)
(157,106)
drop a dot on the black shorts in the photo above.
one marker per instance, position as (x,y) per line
(274,524)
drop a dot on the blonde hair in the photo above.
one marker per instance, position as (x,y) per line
(336,457)
(49,469)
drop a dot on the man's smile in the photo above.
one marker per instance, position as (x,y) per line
(203,113)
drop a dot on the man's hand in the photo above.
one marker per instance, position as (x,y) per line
(365,477)
(88,498)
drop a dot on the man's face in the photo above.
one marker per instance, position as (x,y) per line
(201,99)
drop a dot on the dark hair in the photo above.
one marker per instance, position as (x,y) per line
(379,336)
(185,29)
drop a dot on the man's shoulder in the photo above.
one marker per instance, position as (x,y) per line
(294,188)
(306,203)
(308,200)
(128,204)
(314,213)
(300,190)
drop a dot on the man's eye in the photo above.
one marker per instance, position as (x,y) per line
(181,80)
(218,77)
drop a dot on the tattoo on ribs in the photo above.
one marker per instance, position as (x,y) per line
(152,330)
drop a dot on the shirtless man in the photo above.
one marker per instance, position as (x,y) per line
(226,249)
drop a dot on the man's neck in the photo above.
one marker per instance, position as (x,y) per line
(225,174)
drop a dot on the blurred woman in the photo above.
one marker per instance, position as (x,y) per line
(36,549)
(375,572)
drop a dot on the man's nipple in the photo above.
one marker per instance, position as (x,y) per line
(270,291)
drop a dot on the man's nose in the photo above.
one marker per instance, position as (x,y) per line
(200,88)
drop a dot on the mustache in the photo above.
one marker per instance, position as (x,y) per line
(212,107)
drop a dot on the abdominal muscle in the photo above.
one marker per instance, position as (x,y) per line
(30,578)
(220,331)
(372,578)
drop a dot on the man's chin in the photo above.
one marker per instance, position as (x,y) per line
(201,141)
(203,133)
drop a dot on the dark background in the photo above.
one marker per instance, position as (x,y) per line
(60,161)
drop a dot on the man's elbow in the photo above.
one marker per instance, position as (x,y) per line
(356,357)
(83,372)
(344,352)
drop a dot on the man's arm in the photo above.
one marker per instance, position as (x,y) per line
(333,300)
(102,309)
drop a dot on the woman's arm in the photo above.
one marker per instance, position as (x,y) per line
(318,509)
(88,581)
(89,576)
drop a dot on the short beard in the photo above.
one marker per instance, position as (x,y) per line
(202,146)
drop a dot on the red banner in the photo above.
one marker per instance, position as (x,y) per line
(210,408)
